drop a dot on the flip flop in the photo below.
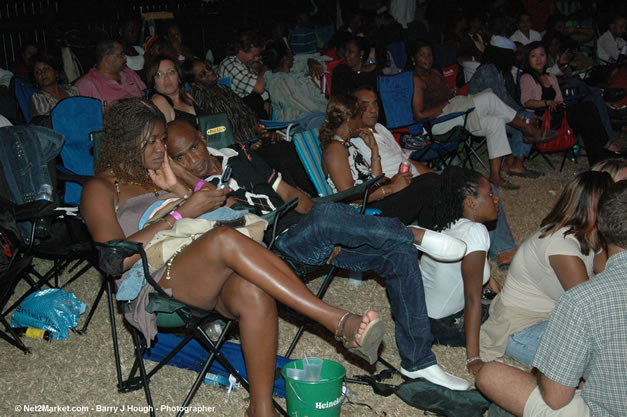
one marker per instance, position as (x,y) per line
(530,173)
(506,185)
(369,341)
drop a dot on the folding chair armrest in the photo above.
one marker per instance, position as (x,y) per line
(273,217)
(358,189)
(67,175)
(34,210)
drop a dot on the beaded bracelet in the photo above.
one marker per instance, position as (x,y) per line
(176,215)
(471,360)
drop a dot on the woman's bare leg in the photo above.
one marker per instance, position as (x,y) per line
(258,323)
(214,271)
(495,171)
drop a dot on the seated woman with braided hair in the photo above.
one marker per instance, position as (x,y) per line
(453,290)
(221,270)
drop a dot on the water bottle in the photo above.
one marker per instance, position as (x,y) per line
(42,225)
(356,278)
(45,192)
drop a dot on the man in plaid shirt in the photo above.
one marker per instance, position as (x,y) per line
(245,70)
(586,339)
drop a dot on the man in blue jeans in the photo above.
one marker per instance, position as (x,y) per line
(323,232)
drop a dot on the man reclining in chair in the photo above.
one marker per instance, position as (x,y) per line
(327,232)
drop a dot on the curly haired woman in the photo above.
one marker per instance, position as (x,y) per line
(222,269)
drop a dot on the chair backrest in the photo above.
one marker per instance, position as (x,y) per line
(217,130)
(226,81)
(23,92)
(309,151)
(325,82)
(399,53)
(76,118)
(450,75)
(396,93)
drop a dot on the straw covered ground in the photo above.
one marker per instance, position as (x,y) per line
(78,373)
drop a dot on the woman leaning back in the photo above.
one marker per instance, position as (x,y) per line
(222,270)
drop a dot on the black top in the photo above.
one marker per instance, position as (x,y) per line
(255,178)
(345,80)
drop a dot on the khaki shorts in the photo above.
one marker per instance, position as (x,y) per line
(536,407)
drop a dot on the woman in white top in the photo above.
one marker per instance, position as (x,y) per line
(453,289)
(558,256)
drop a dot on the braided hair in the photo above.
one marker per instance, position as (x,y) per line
(127,123)
(456,184)
(339,110)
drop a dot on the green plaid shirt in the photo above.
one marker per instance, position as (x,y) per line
(587,337)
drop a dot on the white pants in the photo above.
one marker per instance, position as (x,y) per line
(488,119)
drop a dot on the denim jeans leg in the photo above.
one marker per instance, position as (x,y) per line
(381,244)
(519,147)
(522,346)
(501,238)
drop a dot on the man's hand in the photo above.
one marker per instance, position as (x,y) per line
(207,199)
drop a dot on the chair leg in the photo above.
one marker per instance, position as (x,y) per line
(92,310)
(321,292)
(12,337)
(139,360)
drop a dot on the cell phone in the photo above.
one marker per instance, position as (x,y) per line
(224,179)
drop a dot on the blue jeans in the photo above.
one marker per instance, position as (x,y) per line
(519,148)
(25,152)
(380,244)
(501,238)
(594,95)
(522,346)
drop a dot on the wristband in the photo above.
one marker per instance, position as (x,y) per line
(471,360)
(376,158)
(176,215)
(199,185)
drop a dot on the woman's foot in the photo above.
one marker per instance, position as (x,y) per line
(438,245)
(504,184)
(248,414)
(531,133)
(361,335)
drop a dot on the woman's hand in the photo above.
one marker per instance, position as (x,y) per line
(164,177)
(474,366)
(551,104)
(400,181)
(368,138)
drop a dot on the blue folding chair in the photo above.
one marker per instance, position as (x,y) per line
(23,92)
(76,118)
(445,137)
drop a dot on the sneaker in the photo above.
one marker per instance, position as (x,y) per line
(437,376)
(440,246)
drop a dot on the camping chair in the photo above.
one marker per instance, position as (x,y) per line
(445,137)
(23,92)
(310,154)
(173,316)
(28,152)
(76,118)
(217,130)
(15,261)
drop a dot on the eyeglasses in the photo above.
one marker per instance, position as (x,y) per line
(169,73)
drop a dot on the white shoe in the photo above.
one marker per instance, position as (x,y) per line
(440,246)
(436,375)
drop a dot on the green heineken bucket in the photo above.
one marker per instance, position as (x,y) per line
(310,396)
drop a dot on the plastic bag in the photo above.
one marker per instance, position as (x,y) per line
(51,309)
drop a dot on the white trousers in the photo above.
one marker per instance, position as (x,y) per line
(488,119)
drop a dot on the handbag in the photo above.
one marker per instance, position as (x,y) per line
(565,137)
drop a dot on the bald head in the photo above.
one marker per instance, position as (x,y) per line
(187,147)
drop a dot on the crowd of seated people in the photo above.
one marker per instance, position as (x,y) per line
(260,81)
